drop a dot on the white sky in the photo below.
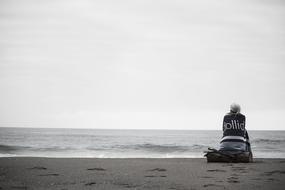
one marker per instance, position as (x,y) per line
(141,64)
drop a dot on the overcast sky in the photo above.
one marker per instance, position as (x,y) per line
(141,64)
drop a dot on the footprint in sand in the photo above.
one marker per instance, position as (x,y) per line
(179,187)
(19,187)
(272,179)
(240,169)
(212,185)
(38,168)
(233,180)
(90,183)
(49,175)
(96,169)
(216,170)
(158,170)
(149,176)
(127,185)
(155,176)
(207,177)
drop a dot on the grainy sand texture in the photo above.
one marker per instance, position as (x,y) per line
(180,174)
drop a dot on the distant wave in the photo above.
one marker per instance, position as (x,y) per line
(269,141)
(13,148)
(160,148)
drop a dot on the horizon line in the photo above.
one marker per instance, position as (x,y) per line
(155,129)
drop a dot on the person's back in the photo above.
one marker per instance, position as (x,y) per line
(235,137)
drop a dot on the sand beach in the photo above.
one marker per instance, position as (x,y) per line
(138,173)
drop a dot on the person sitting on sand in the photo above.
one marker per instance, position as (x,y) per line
(235,136)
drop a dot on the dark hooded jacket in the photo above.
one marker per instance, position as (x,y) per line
(234,128)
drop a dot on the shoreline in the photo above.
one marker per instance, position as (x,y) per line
(115,158)
(139,173)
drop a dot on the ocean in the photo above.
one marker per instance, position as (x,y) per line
(98,143)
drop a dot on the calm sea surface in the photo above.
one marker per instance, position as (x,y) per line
(127,143)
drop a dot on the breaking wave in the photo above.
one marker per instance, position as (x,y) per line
(145,147)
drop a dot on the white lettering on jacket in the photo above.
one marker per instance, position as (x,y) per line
(234,124)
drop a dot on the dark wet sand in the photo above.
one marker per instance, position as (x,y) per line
(97,173)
